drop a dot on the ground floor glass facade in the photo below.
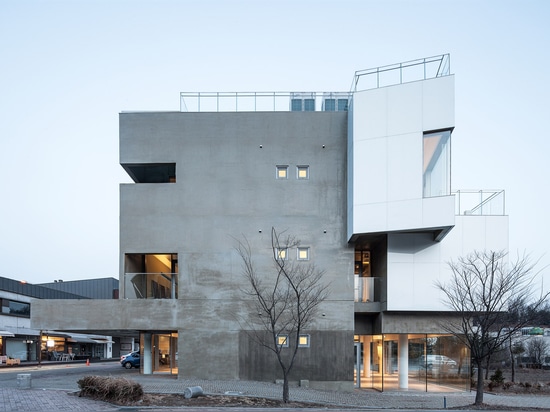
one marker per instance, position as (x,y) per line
(420,362)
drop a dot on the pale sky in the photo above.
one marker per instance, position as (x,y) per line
(68,68)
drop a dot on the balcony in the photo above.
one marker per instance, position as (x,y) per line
(367,294)
(150,286)
(480,202)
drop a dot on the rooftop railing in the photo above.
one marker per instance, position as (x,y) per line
(480,202)
(263,101)
(413,70)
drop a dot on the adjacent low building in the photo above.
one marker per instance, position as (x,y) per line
(362,178)
(21,342)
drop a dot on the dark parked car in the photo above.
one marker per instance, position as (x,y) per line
(130,360)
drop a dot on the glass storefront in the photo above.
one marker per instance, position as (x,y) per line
(419,362)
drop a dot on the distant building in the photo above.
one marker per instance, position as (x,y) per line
(362,178)
(19,340)
(102,288)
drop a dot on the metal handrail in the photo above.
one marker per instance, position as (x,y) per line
(443,69)
(480,199)
(252,101)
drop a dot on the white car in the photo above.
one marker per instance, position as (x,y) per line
(430,361)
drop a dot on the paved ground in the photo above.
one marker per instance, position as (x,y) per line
(57,394)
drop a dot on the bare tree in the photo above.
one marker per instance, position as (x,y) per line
(487,293)
(285,300)
(537,348)
(516,349)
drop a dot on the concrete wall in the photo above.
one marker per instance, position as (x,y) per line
(226,190)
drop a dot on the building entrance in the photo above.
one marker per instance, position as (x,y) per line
(159,353)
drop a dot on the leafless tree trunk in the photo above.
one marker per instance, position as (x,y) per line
(284,301)
(487,293)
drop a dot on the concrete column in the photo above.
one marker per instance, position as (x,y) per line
(147,359)
(403,361)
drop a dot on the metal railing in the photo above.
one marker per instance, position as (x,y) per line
(399,73)
(263,101)
(480,202)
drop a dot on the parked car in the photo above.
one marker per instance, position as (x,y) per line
(431,361)
(130,360)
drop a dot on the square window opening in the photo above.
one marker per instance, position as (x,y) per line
(302,172)
(303,253)
(282,172)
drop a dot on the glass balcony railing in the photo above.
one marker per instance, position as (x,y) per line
(151,285)
(367,289)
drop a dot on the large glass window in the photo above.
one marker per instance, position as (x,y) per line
(14,308)
(437,164)
(151,276)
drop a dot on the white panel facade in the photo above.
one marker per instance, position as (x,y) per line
(388,167)
(416,262)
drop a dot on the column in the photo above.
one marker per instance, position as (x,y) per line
(403,361)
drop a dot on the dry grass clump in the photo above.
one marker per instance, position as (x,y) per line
(109,389)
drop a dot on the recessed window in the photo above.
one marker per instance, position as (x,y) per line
(437,164)
(303,341)
(302,172)
(303,253)
(281,254)
(282,172)
(282,340)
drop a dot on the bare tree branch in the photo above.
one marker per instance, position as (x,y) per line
(491,297)
(286,303)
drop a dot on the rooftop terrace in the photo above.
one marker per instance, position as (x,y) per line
(414,70)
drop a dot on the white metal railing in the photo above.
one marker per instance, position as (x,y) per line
(399,73)
(480,202)
(263,101)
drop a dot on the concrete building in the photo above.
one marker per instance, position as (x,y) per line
(362,178)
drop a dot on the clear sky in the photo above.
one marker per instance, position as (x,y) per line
(69,67)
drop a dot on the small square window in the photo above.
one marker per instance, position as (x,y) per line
(302,172)
(281,254)
(303,253)
(303,341)
(282,340)
(282,172)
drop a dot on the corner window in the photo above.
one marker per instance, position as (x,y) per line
(302,172)
(437,164)
(14,308)
(151,172)
(282,172)
(303,253)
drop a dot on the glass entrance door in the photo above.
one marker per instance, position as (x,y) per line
(164,353)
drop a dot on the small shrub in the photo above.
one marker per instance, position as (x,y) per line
(119,390)
(497,378)
(507,385)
